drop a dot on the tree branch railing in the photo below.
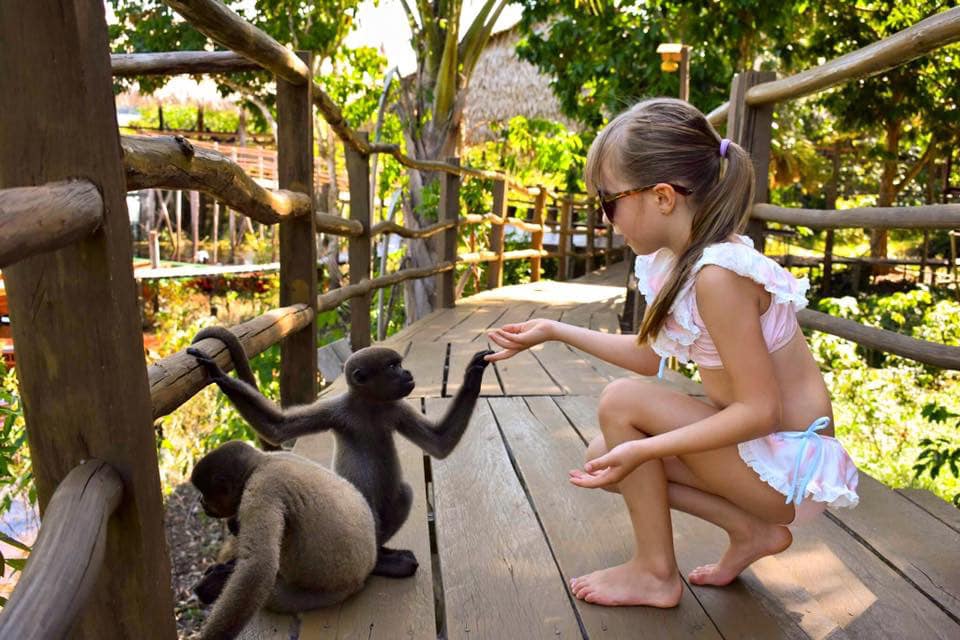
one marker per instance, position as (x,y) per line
(177,62)
(67,557)
(38,219)
(928,35)
(177,378)
(936,216)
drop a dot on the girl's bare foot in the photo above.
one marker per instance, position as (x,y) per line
(744,550)
(628,584)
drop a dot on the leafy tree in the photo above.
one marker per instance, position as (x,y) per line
(911,109)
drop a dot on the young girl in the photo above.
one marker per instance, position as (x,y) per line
(761,455)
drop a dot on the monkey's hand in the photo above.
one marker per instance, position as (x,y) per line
(473,376)
(213,369)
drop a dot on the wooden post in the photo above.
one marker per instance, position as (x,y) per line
(591,235)
(449,212)
(178,209)
(358,175)
(154,249)
(215,259)
(751,128)
(232,232)
(685,73)
(298,246)
(495,268)
(536,238)
(563,242)
(608,256)
(74,313)
(195,222)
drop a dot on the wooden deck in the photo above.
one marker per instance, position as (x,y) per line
(506,531)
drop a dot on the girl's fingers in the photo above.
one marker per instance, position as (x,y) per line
(587,481)
(505,341)
(500,355)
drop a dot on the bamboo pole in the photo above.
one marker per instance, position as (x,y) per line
(177,62)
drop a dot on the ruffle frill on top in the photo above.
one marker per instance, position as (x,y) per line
(680,330)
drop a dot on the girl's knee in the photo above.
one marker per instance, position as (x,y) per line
(595,449)
(612,399)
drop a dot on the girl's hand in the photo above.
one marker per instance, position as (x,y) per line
(514,338)
(611,468)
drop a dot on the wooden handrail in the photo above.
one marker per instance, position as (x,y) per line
(935,216)
(48,217)
(177,378)
(177,62)
(392,227)
(927,35)
(67,557)
(922,38)
(335,298)
(490,256)
(172,162)
(930,353)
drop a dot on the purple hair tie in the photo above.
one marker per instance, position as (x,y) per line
(723,147)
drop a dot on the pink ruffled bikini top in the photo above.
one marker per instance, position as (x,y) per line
(684,334)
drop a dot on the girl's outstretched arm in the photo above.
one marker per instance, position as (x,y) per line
(617,349)
(755,409)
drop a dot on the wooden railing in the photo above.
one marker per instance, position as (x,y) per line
(748,116)
(67,268)
(65,247)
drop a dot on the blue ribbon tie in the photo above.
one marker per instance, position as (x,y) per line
(799,487)
(663,366)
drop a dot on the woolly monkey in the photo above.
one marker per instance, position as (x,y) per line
(363,420)
(306,537)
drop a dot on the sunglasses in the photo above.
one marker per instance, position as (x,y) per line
(608,201)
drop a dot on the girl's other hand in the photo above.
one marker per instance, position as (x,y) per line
(611,468)
(514,338)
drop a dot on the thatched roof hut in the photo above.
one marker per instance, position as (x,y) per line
(503,86)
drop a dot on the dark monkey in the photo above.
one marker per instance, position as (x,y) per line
(363,420)
(306,539)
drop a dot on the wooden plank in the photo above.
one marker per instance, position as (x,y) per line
(499,577)
(387,608)
(470,337)
(427,362)
(587,530)
(741,609)
(934,505)
(523,375)
(891,525)
(834,581)
(298,246)
(266,625)
(74,310)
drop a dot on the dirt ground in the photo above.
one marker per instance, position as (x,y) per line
(193,539)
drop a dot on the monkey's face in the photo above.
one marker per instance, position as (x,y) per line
(219,505)
(379,375)
(220,477)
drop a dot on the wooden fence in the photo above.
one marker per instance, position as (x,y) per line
(62,184)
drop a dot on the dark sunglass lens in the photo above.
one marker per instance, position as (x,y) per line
(609,209)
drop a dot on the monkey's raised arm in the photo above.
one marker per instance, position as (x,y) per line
(253,578)
(441,439)
(273,424)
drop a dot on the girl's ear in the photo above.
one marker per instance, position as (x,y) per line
(666,198)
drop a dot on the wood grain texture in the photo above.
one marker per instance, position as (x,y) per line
(934,505)
(38,219)
(933,216)
(177,62)
(930,353)
(499,577)
(177,378)
(358,170)
(67,557)
(298,239)
(171,162)
(83,398)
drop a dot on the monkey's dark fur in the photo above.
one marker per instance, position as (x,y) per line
(363,420)
(306,538)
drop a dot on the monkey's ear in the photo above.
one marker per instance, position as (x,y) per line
(360,375)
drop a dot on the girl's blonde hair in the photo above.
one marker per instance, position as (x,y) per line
(668,140)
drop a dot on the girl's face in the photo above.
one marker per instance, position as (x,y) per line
(641,217)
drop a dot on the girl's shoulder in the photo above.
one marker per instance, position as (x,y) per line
(740,257)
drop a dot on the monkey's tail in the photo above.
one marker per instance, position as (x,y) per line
(237,353)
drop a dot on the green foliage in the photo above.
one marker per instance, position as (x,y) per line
(890,410)
(16,473)
(941,451)
(177,116)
